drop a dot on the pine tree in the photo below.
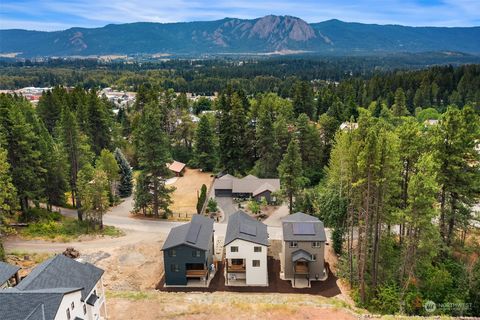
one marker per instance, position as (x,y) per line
(399,109)
(153,152)
(310,148)
(23,151)
(268,151)
(125,186)
(205,156)
(303,99)
(98,123)
(77,151)
(291,174)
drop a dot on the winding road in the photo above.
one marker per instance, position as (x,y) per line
(136,230)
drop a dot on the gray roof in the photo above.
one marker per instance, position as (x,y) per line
(197,234)
(303,222)
(242,226)
(301,255)
(248,184)
(7,271)
(62,272)
(31,305)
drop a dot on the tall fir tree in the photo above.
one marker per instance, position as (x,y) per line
(205,156)
(291,173)
(125,187)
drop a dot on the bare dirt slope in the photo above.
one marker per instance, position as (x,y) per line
(222,305)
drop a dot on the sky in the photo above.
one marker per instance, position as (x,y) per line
(49,15)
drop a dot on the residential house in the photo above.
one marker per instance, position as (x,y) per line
(303,248)
(246,244)
(177,167)
(246,187)
(8,275)
(59,288)
(44,304)
(188,252)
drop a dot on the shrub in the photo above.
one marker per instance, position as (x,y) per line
(212,205)
(337,239)
(39,214)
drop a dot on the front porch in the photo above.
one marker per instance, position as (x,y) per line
(235,272)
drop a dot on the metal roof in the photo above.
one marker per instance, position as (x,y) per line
(7,271)
(62,272)
(295,228)
(197,233)
(242,226)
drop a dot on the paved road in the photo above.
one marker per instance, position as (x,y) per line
(136,230)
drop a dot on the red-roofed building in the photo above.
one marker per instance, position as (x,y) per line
(177,167)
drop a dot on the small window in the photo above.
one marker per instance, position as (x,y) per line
(257,249)
(68,314)
(316,244)
(84,309)
(174,268)
(196,253)
(73,305)
(173,253)
(233,249)
(293,244)
(255,263)
(314,257)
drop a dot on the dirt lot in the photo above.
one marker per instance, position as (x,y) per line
(132,267)
(186,193)
(225,305)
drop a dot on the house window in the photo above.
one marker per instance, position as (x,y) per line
(73,305)
(84,309)
(314,257)
(293,244)
(173,253)
(237,262)
(255,263)
(174,268)
(233,249)
(257,249)
(316,244)
(196,253)
(68,314)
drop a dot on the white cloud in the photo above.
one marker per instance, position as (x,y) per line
(59,14)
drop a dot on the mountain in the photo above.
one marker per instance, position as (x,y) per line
(240,36)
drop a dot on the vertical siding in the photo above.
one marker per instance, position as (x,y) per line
(316,267)
(183,256)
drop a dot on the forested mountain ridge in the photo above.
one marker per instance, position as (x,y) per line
(239,36)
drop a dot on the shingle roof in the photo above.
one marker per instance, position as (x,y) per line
(31,305)
(263,188)
(62,272)
(7,271)
(176,166)
(248,184)
(301,255)
(197,234)
(242,226)
(288,223)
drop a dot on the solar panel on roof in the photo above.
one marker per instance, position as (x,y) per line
(303,228)
(193,232)
(248,229)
